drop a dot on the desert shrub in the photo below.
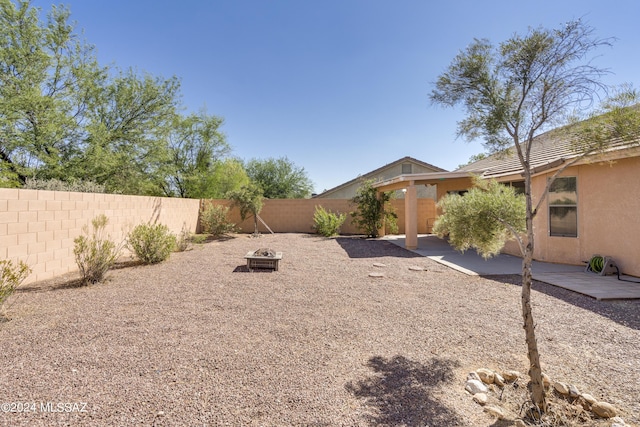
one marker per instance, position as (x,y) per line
(373,210)
(151,243)
(198,238)
(326,222)
(53,184)
(11,276)
(95,252)
(183,240)
(214,220)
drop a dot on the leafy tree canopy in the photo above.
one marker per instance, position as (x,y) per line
(484,218)
(279,178)
(196,151)
(64,117)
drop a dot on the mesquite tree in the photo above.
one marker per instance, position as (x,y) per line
(513,92)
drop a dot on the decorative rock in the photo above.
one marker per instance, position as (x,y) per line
(588,398)
(573,391)
(498,380)
(475,387)
(618,422)
(495,411)
(511,375)
(561,388)
(604,410)
(473,376)
(377,275)
(546,381)
(481,398)
(486,375)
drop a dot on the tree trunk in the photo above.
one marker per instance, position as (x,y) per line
(535,370)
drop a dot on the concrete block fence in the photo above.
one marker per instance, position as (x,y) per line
(38,226)
(296,215)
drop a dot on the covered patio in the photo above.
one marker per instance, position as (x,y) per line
(571,277)
(445,182)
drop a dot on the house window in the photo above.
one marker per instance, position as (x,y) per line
(406,168)
(563,207)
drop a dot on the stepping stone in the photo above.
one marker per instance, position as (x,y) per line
(377,275)
(377,264)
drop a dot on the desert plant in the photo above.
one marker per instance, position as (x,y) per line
(11,276)
(198,239)
(373,210)
(326,222)
(249,200)
(214,220)
(183,240)
(95,252)
(151,243)
(53,184)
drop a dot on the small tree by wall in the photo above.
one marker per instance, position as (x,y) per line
(249,200)
(373,210)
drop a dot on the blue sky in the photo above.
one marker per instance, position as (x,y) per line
(340,87)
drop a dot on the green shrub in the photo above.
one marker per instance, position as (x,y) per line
(11,276)
(373,211)
(53,184)
(198,238)
(326,222)
(95,253)
(151,243)
(214,220)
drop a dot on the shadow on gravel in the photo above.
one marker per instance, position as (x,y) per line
(360,247)
(623,312)
(401,392)
(245,269)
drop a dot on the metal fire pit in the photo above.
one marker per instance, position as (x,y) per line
(263,258)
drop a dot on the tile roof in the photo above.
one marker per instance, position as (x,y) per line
(548,150)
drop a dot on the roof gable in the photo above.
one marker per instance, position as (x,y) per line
(376,172)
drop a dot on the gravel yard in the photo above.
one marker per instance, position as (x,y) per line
(200,341)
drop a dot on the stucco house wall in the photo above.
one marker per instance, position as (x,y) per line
(608,217)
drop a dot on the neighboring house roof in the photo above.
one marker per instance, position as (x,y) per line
(375,173)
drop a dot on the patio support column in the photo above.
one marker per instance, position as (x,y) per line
(411,216)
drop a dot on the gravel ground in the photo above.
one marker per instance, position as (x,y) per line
(198,340)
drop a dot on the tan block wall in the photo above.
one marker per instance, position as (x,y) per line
(38,227)
(296,215)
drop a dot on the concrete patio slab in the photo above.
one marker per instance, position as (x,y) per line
(572,277)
